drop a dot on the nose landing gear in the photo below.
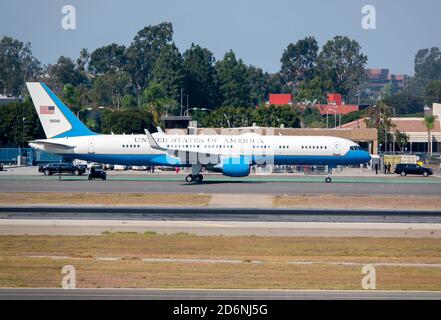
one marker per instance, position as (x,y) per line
(194,178)
(328,180)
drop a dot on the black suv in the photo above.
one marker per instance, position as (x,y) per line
(52,168)
(405,169)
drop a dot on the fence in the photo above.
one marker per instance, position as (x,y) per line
(26,156)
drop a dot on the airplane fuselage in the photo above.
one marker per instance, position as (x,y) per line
(277,150)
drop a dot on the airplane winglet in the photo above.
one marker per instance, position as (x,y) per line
(152,141)
(160,130)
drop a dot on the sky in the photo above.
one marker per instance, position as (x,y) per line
(256,30)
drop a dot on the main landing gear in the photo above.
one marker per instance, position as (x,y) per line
(195,175)
(194,178)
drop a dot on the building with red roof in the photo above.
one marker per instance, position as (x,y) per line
(281,99)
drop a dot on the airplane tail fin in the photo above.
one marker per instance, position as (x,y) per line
(55,117)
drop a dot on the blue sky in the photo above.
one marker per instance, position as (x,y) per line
(257,30)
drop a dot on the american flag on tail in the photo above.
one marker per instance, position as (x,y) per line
(47,110)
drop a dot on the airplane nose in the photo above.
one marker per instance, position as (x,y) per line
(366,156)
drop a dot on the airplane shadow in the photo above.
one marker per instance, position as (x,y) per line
(221,182)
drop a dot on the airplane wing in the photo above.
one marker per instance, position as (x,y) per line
(181,152)
(45,143)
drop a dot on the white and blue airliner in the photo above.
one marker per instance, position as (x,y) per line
(231,155)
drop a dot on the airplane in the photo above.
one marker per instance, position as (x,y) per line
(231,155)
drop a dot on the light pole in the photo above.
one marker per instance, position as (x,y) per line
(197,109)
(182,92)
(106,108)
(78,113)
(23,131)
(228,120)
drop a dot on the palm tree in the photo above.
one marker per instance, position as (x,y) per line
(429,122)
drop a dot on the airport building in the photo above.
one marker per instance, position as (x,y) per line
(414,128)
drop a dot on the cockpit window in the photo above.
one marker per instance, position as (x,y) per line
(355,148)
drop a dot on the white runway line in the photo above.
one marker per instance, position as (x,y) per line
(227,228)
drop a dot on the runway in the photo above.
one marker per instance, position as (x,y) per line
(213,222)
(218,214)
(223,185)
(169,294)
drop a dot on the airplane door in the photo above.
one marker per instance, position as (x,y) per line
(337,151)
(91,146)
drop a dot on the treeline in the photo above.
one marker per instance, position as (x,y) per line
(117,76)
(151,77)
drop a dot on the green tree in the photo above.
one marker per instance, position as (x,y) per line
(108,59)
(429,123)
(260,85)
(230,117)
(433,92)
(428,64)
(200,78)
(299,60)
(234,83)
(342,62)
(19,124)
(17,65)
(169,71)
(66,72)
(386,92)
(69,97)
(402,139)
(379,117)
(126,121)
(83,60)
(143,53)
(405,103)
(353,116)
(76,97)
(109,88)
(314,91)
(276,116)
(312,118)
(129,102)
(156,101)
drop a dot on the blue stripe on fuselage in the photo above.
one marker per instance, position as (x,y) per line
(350,158)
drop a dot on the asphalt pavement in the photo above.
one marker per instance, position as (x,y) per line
(222,185)
(187,294)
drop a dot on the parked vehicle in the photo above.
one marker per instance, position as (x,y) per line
(166,168)
(96,165)
(1,166)
(405,169)
(97,174)
(64,167)
(140,168)
(109,167)
(119,168)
